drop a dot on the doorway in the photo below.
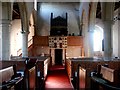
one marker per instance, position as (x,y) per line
(58,56)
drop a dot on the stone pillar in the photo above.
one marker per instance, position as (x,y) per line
(116,33)
(5,19)
(107,39)
(107,17)
(24,44)
(5,39)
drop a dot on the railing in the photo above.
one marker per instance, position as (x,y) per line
(30,42)
(19,52)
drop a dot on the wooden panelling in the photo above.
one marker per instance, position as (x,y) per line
(84,78)
(42,61)
(68,68)
(32,78)
(20,64)
(108,73)
(71,40)
(75,41)
(40,40)
(89,63)
(58,42)
(6,74)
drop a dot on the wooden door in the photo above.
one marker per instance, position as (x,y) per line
(58,56)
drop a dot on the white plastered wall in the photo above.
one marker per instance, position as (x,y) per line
(15,36)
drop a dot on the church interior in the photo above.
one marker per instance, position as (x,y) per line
(47,45)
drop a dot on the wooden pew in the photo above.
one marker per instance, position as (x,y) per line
(30,74)
(109,79)
(10,79)
(83,78)
(111,75)
(42,67)
(72,64)
(30,78)
(6,74)
(101,84)
(20,64)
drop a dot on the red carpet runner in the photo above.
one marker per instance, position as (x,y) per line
(57,79)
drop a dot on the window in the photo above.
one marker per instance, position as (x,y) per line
(98,37)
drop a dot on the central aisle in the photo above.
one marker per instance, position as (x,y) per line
(57,79)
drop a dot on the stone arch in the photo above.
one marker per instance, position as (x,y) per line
(107,18)
(24,16)
(25,27)
(92,15)
(25,11)
(15,32)
(34,15)
(83,22)
(84,26)
(107,7)
(31,25)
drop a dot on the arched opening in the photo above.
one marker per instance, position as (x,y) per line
(15,32)
(98,35)
(98,38)
(83,23)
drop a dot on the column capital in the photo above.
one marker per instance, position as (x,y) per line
(24,32)
(108,21)
(5,22)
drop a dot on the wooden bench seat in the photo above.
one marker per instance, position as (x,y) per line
(72,64)
(109,79)
(9,78)
(98,83)
(6,74)
(42,67)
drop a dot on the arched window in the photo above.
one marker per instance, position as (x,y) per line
(98,38)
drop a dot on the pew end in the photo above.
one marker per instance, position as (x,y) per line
(83,78)
(10,79)
(110,79)
(111,75)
